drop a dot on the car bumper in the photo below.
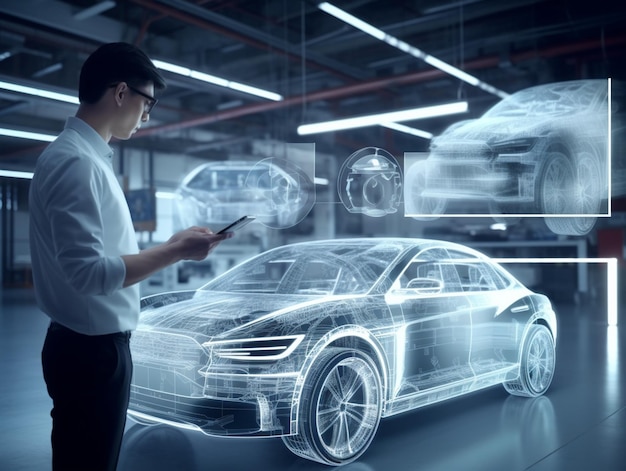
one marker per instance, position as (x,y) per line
(502,181)
(171,385)
(256,417)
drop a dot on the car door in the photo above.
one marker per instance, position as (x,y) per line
(494,334)
(435,335)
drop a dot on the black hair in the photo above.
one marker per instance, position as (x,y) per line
(113,63)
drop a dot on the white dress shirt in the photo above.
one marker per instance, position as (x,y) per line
(80,226)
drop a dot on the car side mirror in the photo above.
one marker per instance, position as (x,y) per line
(425,286)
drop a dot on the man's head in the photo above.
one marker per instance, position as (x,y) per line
(114,63)
(117,82)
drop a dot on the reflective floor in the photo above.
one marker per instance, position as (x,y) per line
(579,425)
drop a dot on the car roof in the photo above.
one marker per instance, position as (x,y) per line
(404,243)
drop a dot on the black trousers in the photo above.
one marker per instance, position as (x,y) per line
(88,379)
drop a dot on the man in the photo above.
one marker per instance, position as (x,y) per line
(86,262)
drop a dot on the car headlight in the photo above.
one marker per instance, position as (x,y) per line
(513,146)
(255,349)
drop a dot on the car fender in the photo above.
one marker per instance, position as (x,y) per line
(333,336)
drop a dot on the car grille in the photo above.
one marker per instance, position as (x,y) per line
(167,363)
(459,177)
(462,150)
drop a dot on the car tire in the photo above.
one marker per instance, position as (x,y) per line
(557,184)
(586,199)
(557,190)
(340,408)
(537,362)
(415,203)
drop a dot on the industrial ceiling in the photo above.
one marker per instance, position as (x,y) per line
(322,67)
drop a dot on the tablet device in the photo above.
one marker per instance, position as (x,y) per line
(238,224)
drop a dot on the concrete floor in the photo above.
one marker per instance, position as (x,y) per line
(580,424)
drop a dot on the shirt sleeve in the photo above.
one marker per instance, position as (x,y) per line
(74,189)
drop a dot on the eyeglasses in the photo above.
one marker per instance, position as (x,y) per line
(149,105)
(151,100)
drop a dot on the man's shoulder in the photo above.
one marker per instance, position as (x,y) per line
(67,146)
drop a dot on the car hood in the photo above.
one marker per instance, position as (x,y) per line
(495,129)
(208,314)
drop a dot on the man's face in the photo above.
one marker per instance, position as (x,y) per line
(135,105)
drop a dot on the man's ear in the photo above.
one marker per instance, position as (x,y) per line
(121,89)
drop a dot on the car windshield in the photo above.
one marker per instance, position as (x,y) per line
(549,100)
(219,179)
(311,269)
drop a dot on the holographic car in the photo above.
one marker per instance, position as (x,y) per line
(273,190)
(315,342)
(543,150)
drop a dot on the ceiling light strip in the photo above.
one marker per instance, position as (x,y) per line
(407,48)
(408,130)
(14,87)
(16,174)
(212,79)
(376,119)
(35,136)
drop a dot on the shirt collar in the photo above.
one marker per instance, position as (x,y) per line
(91,136)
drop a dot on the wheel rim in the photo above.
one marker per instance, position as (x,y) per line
(588,186)
(348,408)
(556,188)
(540,362)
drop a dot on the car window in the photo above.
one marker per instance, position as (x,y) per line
(431,264)
(226,179)
(263,277)
(476,274)
(338,268)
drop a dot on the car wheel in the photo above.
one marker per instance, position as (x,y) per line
(537,362)
(586,199)
(415,202)
(556,188)
(340,408)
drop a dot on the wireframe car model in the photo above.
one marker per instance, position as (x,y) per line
(277,192)
(542,150)
(316,341)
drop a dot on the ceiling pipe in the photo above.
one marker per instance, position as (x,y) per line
(207,25)
(374,85)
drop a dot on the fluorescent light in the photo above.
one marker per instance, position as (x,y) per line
(408,130)
(14,87)
(407,48)
(16,174)
(498,226)
(176,69)
(611,282)
(35,136)
(94,10)
(166,195)
(48,70)
(222,82)
(352,20)
(391,117)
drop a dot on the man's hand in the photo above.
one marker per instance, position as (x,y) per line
(196,242)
